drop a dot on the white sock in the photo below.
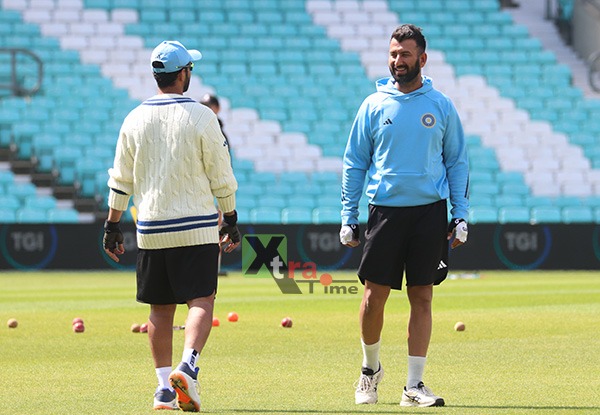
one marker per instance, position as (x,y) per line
(371,355)
(416,367)
(162,374)
(189,356)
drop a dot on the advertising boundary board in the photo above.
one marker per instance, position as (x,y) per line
(490,247)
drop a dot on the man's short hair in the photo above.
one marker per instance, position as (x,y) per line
(164,80)
(410,31)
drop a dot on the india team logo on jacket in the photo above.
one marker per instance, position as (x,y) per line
(428,120)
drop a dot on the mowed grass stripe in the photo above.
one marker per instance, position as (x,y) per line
(530,347)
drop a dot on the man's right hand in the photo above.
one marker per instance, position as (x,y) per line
(113,240)
(349,236)
(229,233)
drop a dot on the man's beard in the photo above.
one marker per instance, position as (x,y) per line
(186,85)
(408,77)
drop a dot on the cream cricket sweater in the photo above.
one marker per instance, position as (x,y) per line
(173,159)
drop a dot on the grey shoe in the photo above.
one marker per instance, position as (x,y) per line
(185,382)
(165,399)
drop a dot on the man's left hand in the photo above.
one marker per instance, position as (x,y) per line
(457,232)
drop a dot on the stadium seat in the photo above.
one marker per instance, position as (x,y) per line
(63,215)
(577,214)
(21,190)
(9,203)
(42,203)
(323,215)
(546,214)
(298,215)
(29,215)
(514,214)
(483,214)
(265,215)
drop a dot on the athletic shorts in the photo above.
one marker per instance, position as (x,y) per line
(406,240)
(176,275)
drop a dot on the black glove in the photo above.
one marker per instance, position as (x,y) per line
(229,227)
(113,237)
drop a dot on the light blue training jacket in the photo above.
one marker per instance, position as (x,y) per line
(412,149)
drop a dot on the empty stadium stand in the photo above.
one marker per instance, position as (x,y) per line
(290,76)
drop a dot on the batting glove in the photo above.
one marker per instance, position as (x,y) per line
(113,237)
(229,228)
(458,232)
(349,235)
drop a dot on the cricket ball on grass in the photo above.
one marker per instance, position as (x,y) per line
(77,320)
(459,326)
(233,317)
(78,327)
(286,322)
(12,323)
(144,328)
(216,322)
(135,328)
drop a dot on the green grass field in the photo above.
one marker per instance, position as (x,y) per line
(531,346)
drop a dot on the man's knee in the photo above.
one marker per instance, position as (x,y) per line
(374,298)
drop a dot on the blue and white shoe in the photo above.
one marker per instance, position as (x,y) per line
(185,382)
(165,399)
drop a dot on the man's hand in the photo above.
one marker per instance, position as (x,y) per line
(113,240)
(229,232)
(457,232)
(349,236)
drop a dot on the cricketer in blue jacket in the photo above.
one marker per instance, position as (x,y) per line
(412,149)
(408,141)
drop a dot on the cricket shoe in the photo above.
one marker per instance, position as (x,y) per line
(185,382)
(420,395)
(366,386)
(165,399)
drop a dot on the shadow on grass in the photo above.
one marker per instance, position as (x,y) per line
(541,408)
(378,410)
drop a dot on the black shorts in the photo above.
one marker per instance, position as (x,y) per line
(176,275)
(411,240)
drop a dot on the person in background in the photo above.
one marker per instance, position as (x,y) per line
(407,139)
(172,157)
(212,102)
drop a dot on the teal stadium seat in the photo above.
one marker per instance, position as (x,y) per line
(302,201)
(42,203)
(578,214)
(323,215)
(483,214)
(9,203)
(265,215)
(7,177)
(546,214)
(297,215)
(514,214)
(272,201)
(504,200)
(30,215)
(63,216)
(21,190)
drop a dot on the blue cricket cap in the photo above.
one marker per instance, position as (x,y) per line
(173,56)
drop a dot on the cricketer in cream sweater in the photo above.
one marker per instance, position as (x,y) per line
(173,159)
(174,170)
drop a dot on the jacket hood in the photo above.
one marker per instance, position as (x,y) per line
(388,86)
